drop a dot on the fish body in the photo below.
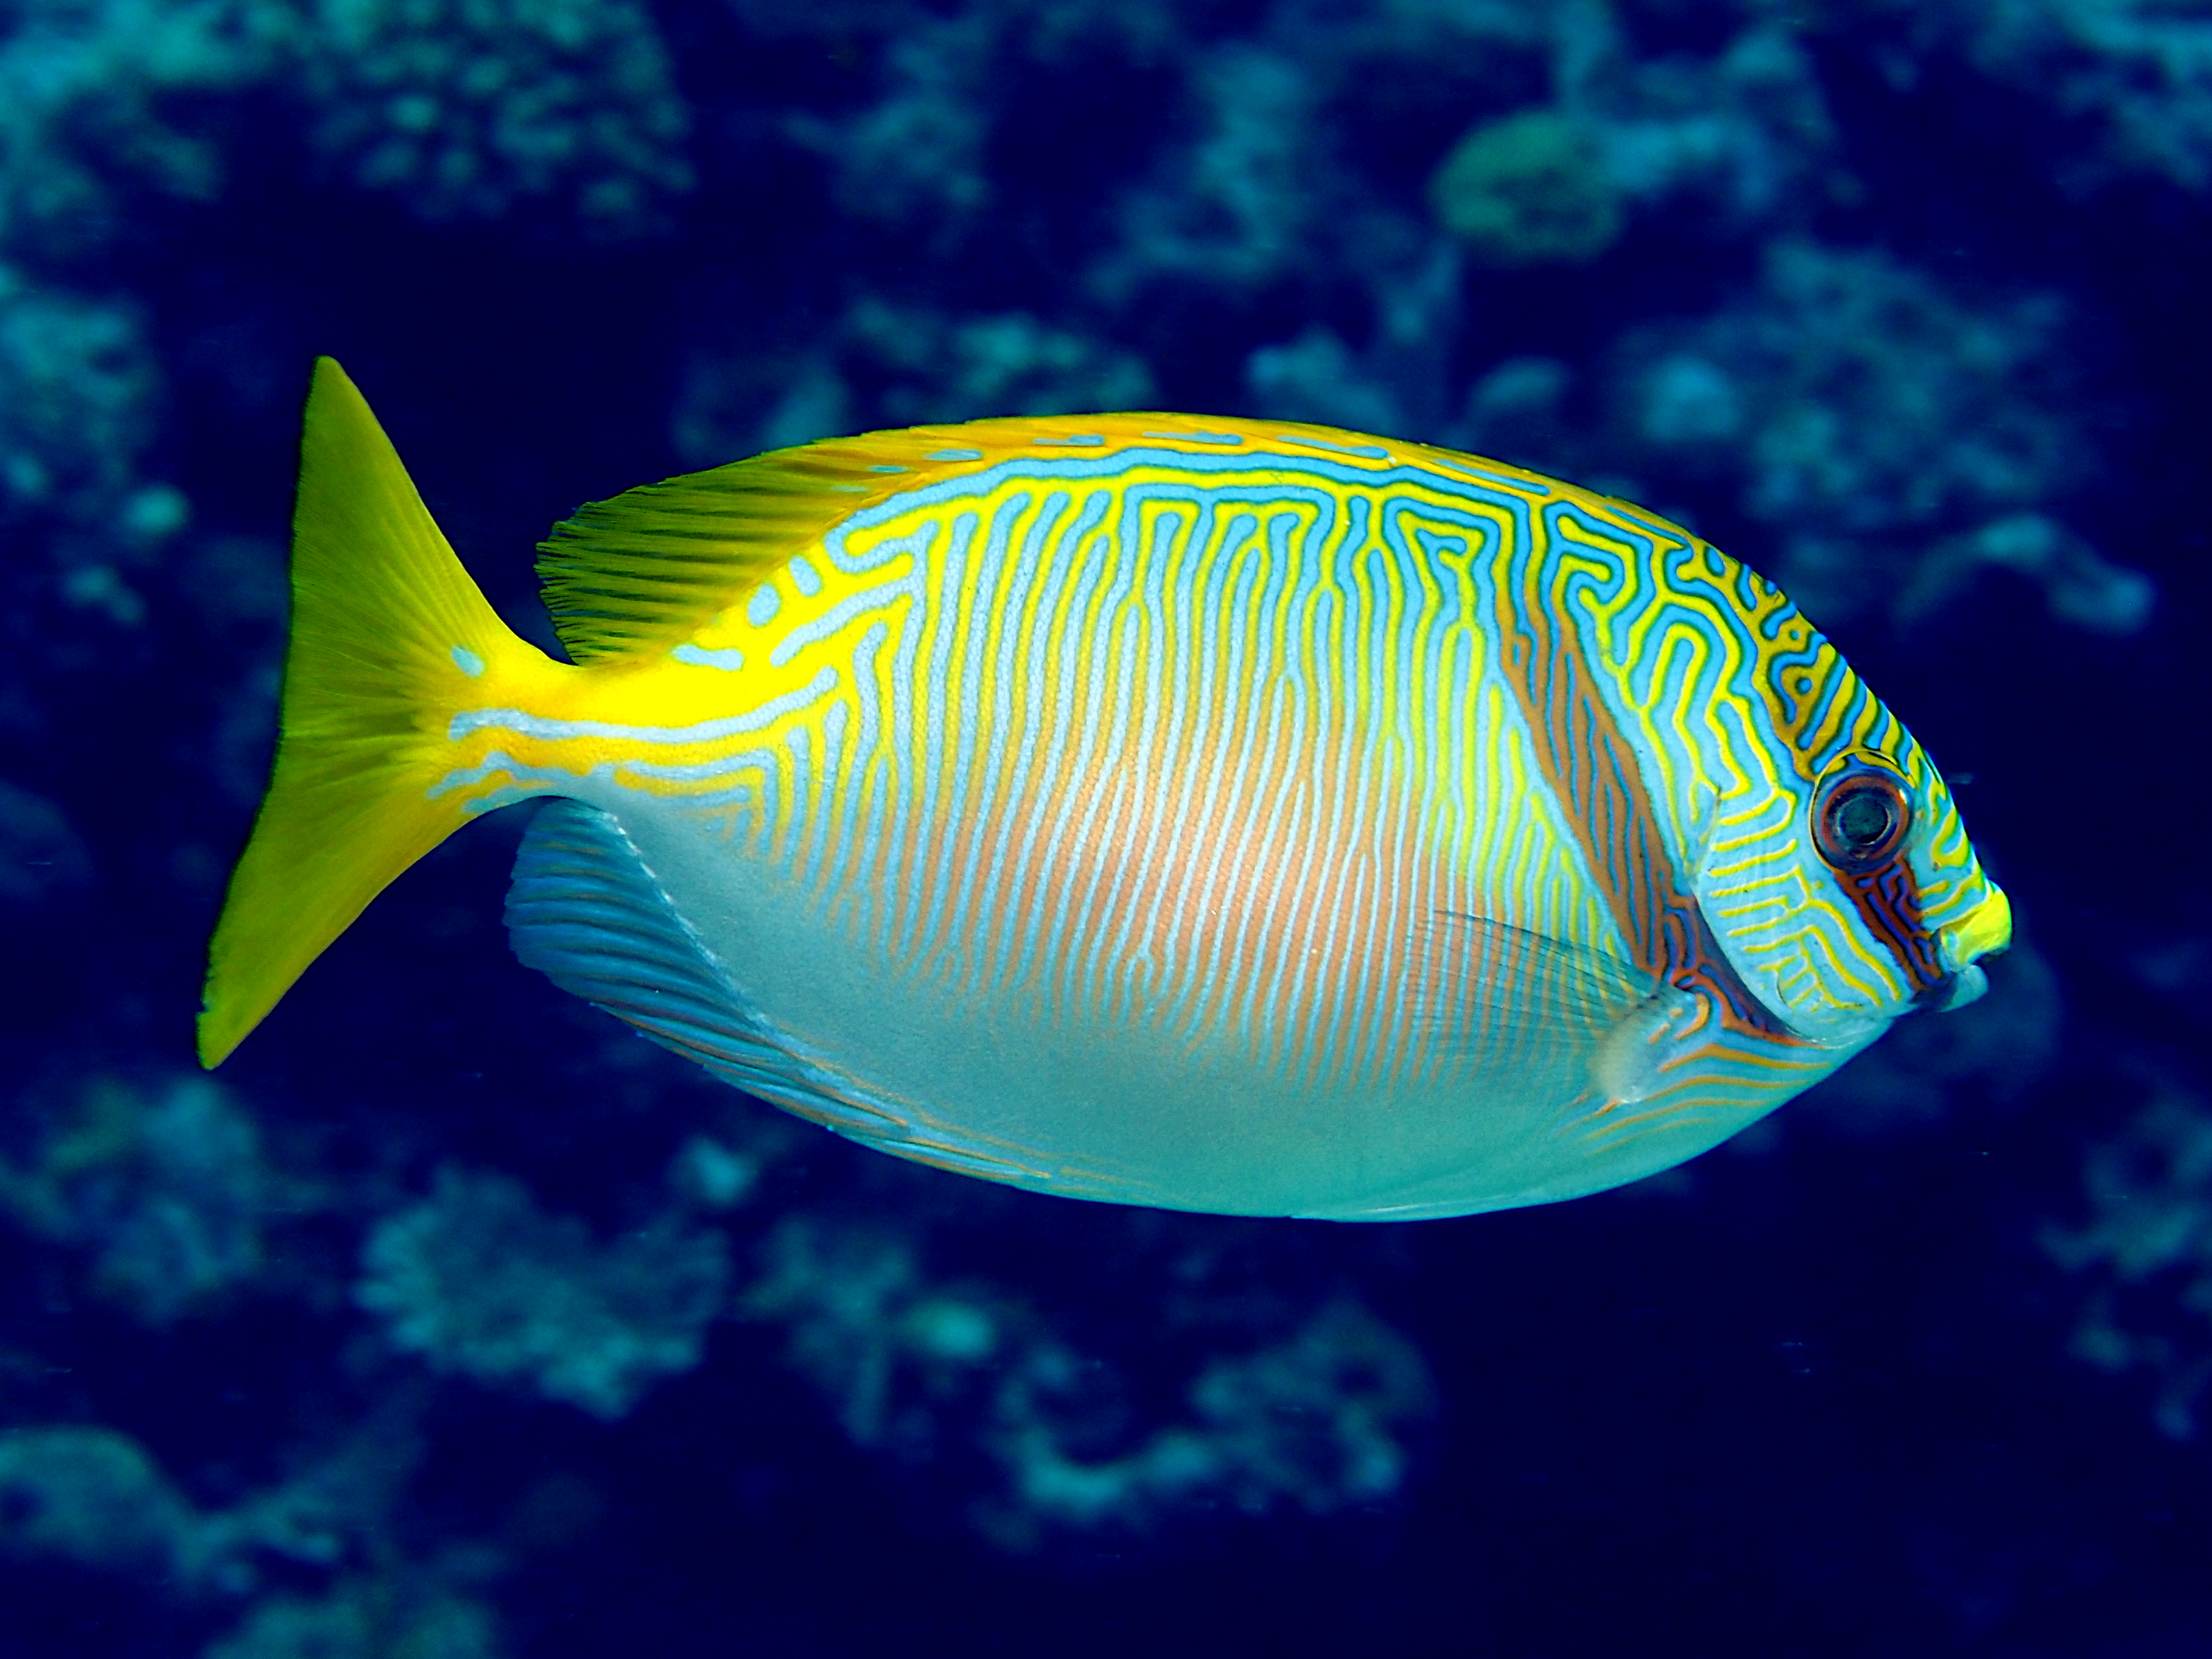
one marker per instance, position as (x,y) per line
(1218,815)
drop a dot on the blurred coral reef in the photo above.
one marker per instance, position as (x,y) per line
(465,109)
(342,1354)
(2147,1248)
(480,1280)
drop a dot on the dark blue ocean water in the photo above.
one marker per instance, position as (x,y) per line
(450,1319)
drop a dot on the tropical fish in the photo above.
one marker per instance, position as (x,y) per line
(1213,814)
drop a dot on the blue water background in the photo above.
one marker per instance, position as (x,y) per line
(452,1319)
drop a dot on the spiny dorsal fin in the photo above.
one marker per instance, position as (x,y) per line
(642,572)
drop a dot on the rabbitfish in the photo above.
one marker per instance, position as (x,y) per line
(1215,814)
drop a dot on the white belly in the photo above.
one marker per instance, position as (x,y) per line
(1127,1097)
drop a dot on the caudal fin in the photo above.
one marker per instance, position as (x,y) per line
(390,638)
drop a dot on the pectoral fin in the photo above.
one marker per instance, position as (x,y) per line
(1504,989)
(1634,1057)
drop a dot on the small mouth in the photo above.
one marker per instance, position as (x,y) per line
(1969,984)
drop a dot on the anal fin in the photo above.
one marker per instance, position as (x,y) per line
(586,911)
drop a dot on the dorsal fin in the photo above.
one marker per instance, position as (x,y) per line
(641,572)
(644,570)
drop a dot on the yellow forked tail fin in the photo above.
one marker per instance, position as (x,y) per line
(390,638)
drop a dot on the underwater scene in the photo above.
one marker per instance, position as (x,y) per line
(451,1318)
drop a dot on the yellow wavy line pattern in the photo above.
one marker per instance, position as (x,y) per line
(1208,732)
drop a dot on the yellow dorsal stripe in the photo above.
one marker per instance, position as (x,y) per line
(640,572)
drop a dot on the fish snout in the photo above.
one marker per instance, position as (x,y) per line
(1986,931)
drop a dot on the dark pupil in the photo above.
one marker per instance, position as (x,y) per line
(1862,820)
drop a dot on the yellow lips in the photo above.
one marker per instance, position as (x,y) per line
(1987,929)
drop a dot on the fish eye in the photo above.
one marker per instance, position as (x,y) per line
(1859,820)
